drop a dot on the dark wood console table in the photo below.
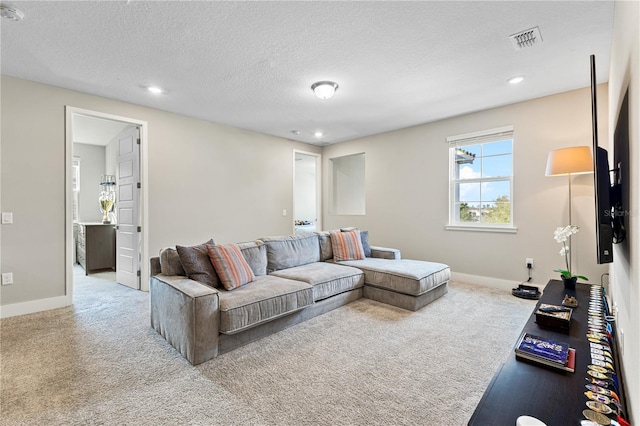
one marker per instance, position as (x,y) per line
(554,397)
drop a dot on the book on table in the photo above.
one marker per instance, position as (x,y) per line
(546,351)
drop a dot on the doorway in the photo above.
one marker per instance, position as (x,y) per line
(94,142)
(307,209)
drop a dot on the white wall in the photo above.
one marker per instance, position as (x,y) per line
(347,185)
(205,180)
(407,191)
(624,73)
(92,167)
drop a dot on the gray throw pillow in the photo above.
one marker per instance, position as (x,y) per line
(364,237)
(197,264)
(170,262)
(255,253)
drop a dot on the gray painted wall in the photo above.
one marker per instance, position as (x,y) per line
(407,191)
(92,167)
(205,180)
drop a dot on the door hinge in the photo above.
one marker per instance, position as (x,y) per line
(139,228)
(138,141)
(138,273)
(138,185)
(117,227)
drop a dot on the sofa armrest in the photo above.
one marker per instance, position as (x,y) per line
(186,313)
(385,253)
(154,266)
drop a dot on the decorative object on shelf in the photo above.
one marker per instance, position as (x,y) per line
(107,197)
(569,301)
(562,235)
(553,316)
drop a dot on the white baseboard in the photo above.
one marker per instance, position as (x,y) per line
(33,306)
(498,283)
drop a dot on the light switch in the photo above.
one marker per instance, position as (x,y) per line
(284,212)
(7,218)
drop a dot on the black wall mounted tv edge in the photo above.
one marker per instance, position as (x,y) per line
(601,182)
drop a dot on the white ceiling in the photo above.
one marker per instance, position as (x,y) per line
(251,64)
(95,131)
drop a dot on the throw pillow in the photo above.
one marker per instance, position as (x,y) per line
(231,266)
(364,236)
(197,265)
(170,262)
(346,245)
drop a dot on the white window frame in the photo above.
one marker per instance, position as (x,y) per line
(476,138)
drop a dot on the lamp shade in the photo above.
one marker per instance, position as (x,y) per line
(565,161)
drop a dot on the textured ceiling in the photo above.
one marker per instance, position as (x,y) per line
(251,64)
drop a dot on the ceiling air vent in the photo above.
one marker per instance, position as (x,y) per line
(526,38)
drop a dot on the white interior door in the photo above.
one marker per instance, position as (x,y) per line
(128,208)
(306,192)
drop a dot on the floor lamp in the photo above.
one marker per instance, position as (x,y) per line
(570,161)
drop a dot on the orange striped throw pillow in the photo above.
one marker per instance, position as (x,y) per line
(346,245)
(230,265)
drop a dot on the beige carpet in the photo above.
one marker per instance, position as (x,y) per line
(99,362)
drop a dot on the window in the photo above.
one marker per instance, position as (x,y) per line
(481,180)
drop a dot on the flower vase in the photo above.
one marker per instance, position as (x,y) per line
(570,283)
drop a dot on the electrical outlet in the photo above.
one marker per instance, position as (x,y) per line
(7,278)
(528,261)
(7,218)
(284,212)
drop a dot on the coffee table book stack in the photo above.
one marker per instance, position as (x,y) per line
(546,352)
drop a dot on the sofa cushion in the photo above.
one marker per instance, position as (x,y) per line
(266,298)
(326,252)
(197,265)
(412,277)
(364,236)
(170,262)
(230,265)
(255,253)
(324,238)
(327,279)
(291,250)
(346,245)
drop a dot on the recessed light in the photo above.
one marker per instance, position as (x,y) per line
(517,79)
(318,134)
(11,13)
(155,89)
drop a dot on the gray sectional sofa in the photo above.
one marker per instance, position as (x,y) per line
(295,279)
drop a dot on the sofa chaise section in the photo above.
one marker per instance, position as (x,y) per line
(405,283)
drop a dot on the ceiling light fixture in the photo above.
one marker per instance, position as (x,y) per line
(324,89)
(517,79)
(11,13)
(318,134)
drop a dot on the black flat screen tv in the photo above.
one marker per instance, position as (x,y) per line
(602,183)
